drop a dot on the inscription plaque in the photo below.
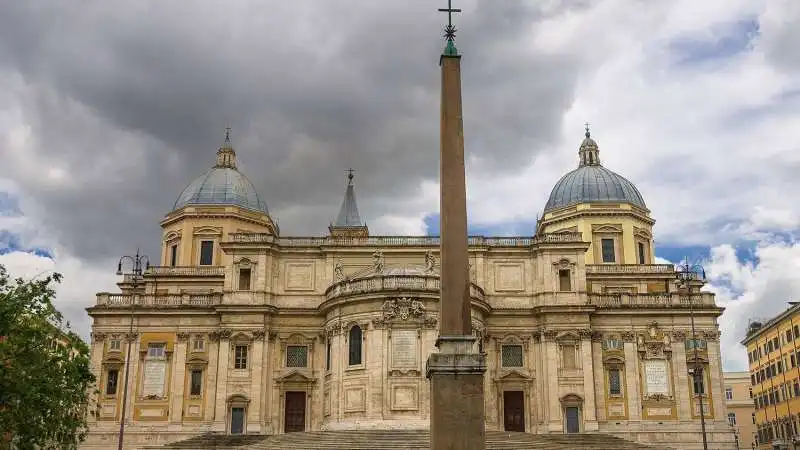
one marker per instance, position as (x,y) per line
(155,373)
(404,349)
(656,377)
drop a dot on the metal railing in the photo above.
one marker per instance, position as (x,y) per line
(186,271)
(629,268)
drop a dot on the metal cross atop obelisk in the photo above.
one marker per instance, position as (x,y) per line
(456,369)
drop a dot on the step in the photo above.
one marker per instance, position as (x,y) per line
(403,439)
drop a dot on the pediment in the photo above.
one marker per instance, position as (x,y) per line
(568,336)
(207,230)
(295,377)
(113,358)
(607,228)
(172,235)
(514,375)
(197,359)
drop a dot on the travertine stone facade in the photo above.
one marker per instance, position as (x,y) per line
(239,329)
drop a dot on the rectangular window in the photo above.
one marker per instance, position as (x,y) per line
(296,356)
(196,382)
(728,393)
(780,367)
(796,389)
(796,329)
(173,255)
(750,391)
(564,281)
(156,351)
(642,258)
(607,246)
(698,385)
(511,356)
(328,356)
(240,357)
(753,416)
(244,279)
(792,360)
(114,345)
(775,343)
(788,335)
(112,381)
(731,419)
(206,253)
(198,345)
(614,382)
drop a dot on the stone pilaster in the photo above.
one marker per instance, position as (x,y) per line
(257,374)
(554,414)
(715,379)
(178,377)
(211,380)
(265,381)
(220,412)
(632,382)
(96,361)
(589,404)
(680,379)
(132,376)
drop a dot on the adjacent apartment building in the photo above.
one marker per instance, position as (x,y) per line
(741,412)
(773,352)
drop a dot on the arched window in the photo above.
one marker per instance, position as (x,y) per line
(355,345)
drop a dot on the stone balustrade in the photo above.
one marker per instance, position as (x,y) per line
(186,271)
(400,241)
(381,283)
(665,300)
(621,269)
(149,300)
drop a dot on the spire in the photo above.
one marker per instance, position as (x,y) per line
(348,222)
(226,157)
(450,30)
(589,152)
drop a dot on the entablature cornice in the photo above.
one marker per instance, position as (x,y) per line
(219,212)
(637,214)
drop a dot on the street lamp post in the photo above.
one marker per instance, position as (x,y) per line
(137,262)
(687,273)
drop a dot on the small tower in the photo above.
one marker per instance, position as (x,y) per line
(348,222)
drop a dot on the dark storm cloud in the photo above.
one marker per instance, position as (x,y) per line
(131,99)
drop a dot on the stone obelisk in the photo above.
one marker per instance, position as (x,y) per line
(456,370)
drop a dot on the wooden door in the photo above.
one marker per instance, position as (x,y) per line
(237,420)
(572,417)
(295,412)
(514,410)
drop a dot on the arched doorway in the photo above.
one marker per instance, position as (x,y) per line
(572,405)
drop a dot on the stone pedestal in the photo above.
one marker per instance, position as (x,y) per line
(457,405)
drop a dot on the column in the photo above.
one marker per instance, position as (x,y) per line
(554,412)
(96,361)
(266,381)
(680,379)
(132,376)
(178,376)
(716,386)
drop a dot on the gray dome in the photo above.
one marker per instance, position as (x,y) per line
(591,182)
(221,186)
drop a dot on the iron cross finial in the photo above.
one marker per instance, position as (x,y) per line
(228,135)
(450,30)
(350,174)
(587,129)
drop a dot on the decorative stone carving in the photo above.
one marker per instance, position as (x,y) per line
(549,335)
(99,337)
(220,334)
(585,333)
(679,335)
(430,262)
(628,336)
(338,271)
(130,337)
(259,334)
(403,309)
(597,336)
(182,336)
(377,261)
(332,329)
(655,344)
(710,336)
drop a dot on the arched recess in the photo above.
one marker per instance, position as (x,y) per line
(572,410)
(236,419)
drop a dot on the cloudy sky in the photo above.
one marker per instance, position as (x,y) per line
(108,110)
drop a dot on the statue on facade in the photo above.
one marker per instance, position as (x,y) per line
(338,271)
(377,261)
(430,262)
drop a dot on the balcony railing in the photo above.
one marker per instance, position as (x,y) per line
(392,283)
(401,241)
(628,268)
(186,271)
(156,301)
(674,300)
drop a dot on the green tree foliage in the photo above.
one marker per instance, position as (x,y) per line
(45,377)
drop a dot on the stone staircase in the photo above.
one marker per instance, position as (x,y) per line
(404,440)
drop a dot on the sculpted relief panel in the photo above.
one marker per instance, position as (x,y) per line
(509,276)
(299,276)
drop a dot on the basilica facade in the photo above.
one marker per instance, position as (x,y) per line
(239,329)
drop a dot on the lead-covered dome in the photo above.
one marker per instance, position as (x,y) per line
(223,184)
(592,183)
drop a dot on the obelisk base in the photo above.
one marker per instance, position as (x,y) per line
(457,406)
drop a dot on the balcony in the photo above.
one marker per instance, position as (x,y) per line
(186,271)
(158,301)
(624,269)
(401,241)
(674,300)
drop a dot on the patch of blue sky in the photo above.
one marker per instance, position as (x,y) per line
(520,228)
(722,41)
(11,242)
